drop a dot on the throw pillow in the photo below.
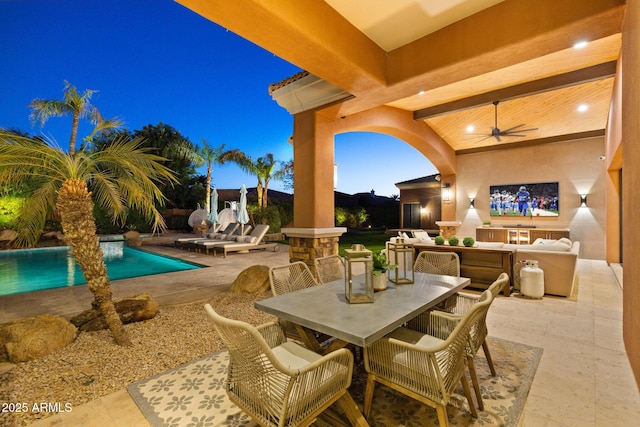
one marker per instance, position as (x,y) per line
(422,235)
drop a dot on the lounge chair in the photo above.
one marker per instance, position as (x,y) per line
(242,243)
(229,229)
(222,238)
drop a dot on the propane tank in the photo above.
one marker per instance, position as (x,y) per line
(532,280)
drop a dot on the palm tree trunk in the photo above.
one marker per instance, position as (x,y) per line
(259,192)
(74,133)
(78,224)
(207,202)
(265,192)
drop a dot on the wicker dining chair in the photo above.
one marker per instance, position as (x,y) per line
(329,268)
(432,262)
(290,277)
(425,364)
(465,301)
(278,382)
(460,307)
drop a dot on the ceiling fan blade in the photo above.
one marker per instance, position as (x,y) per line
(498,137)
(527,130)
(513,134)
(512,128)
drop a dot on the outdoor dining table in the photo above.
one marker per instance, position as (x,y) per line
(324,308)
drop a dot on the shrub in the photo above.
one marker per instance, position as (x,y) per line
(439,240)
(468,241)
(180,223)
(453,241)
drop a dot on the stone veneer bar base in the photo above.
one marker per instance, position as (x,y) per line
(448,228)
(307,244)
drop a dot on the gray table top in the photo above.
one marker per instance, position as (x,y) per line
(324,308)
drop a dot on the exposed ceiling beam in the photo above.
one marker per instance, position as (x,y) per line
(585,75)
(535,142)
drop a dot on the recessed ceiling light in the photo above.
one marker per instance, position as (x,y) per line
(470,128)
(581,44)
(421,92)
(582,108)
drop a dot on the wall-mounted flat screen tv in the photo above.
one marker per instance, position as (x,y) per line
(514,200)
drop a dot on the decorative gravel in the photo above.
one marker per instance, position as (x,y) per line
(94,366)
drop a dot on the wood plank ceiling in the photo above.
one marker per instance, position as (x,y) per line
(552,111)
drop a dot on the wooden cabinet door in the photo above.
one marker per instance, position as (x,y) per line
(491,235)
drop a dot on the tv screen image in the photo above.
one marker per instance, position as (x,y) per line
(517,200)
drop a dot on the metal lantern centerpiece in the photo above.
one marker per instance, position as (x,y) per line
(358,288)
(402,255)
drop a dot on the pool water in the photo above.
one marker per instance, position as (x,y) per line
(28,270)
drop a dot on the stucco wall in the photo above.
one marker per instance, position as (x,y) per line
(574,164)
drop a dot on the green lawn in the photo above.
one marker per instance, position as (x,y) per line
(372,241)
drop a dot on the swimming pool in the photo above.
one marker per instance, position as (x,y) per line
(28,270)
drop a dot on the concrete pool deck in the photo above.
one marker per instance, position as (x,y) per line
(167,289)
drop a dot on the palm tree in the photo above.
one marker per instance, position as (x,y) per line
(120,177)
(264,168)
(210,156)
(78,106)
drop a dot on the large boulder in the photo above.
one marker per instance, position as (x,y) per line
(34,337)
(133,239)
(252,280)
(7,237)
(132,309)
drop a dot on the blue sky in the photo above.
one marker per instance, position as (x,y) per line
(155,61)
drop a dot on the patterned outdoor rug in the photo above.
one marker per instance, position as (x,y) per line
(194,395)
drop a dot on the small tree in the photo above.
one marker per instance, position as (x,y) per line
(207,155)
(119,177)
(265,169)
(78,106)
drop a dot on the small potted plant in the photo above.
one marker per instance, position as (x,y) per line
(439,240)
(380,266)
(468,241)
(486,223)
(453,241)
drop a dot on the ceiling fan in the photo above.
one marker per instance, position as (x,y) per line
(512,131)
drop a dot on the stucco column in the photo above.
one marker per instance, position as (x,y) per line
(313,204)
(313,234)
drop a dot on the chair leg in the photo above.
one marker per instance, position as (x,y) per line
(443,419)
(487,354)
(350,408)
(368,394)
(467,393)
(476,384)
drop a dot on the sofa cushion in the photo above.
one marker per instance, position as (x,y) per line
(489,245)
(540,248)
(565,241)
(541,241)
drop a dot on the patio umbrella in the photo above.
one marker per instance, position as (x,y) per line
(213,214)
(243,215)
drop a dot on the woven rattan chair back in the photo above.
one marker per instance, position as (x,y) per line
(290,277)
(261,383)
(447,263)
(329,268)
(429,374)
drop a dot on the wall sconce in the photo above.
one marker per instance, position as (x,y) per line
(471,203)
(583,200)
(446,192)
